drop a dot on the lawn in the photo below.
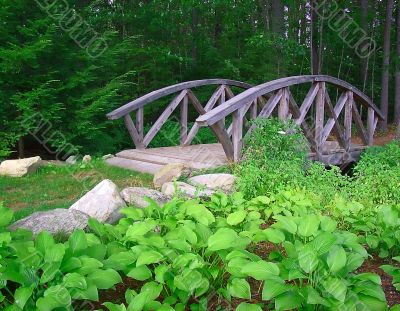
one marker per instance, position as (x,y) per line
(60,186)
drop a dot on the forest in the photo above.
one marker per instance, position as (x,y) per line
(74,61)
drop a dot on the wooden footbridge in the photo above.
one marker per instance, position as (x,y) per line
(328,127)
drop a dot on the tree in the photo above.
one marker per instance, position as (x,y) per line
(364,26)
(386,62)
(278,17)
(313,38)
(397,76)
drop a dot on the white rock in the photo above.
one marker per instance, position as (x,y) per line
(168,173)
(136,196)
(86,159)
(184,189)
(54,221)
(71,160)
(19,168)
(223,182)
(107,156)
(103,202)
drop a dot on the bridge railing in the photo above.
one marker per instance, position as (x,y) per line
(185,96)
(327,119)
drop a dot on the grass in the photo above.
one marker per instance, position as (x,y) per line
(54,187)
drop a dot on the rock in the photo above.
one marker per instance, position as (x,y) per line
(103,202)
(107,156)
(86,159)
(54,221)
(168,173)
(71,160)
(19,168)
(184,189)
(136,196)
(223,182)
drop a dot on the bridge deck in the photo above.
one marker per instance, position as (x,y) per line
(209,156)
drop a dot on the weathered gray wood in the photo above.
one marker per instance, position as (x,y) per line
(140,122)
(237,135)
(138,166)
(251,94)
(253,110)
(283,108)
(370,126)
(133,132)
(320,114)
(348,120)
(164,117)
(307,103)
(153,96)
(217,128)
(333,121)
(210,104)
(184,120)
(360,125)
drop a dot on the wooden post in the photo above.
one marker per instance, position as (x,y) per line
(140,122)
(184,120)
(237,135)
(222,99)
(371,126)
(283,109)
(320,115)
(348,116)
(133,132)
(253,110)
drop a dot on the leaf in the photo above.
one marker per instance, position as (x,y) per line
(55,253)
(74,280)
(308,225)
(236,218)
(288,301)
(314,298)
(248,307)
(140,273)
(308,259)
(22,295)
(77,241)
(336,258)
(200,213)
(224,238)
(104,279)
(6,216)
(54,297)
(149,257)
(285,223)
(336,287)
(273,288)
(188,280)
(354,261)
(239,288)
(113,307)
(139,229)
(274,235)
(260,270)
(323,242)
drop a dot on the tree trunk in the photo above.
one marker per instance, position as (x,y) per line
(21,148)
(386,63)
(278,19)
(264,6)
(364,27)
(194,26)
(313,38)
(397,79)
(398,129)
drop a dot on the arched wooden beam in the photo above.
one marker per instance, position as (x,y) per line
(148,98)
(253,93)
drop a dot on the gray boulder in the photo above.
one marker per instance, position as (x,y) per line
(168,173)
(136,196)
(103,202)
(223,182)
(19,168)
(185,190)
(71,160)
(54,221)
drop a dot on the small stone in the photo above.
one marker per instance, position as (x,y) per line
(86,159)
(180,188)
(168,173)
(19,168)
(224,182)
(107,156)
(136,196)
(71,160)
(103,202)
(54,221)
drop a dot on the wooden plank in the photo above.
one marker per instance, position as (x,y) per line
(218,128)
(348,120)
(138,166)
(333,121)
(153,96)
(133,132)
(283,108)
(320,114)
(140,122)
(184,120)
(164,117)
(370,126)
(359,124)
(305,106)
(237,135)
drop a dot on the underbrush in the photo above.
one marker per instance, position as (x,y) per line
(195,255)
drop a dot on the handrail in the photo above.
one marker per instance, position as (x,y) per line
(150,97)
(253,93)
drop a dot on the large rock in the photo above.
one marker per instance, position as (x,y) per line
(184,189)
(136,196)
(103,202)
(19,168)
(168,173)
(54,221)
(223,182)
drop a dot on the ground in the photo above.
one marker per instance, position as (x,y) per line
(59,187)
